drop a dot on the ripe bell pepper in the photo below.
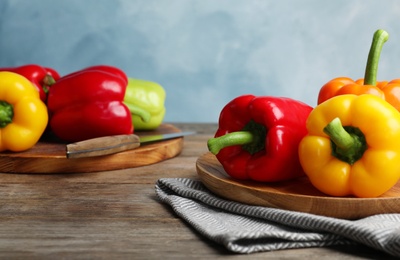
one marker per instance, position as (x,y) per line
(23,116)
(352,146)
(41,77)
(389,91)
(88,104)
(145,100)
(258,138)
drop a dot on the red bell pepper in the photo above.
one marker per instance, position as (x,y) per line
(258,138)
(41,77)
(135,109)
(88,104)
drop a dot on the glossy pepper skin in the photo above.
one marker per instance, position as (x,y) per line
(88,104)
(23,116)
(258,138)
(41,77)
(352,146)
(145,100)
(389,91)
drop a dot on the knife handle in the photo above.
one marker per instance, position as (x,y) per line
(102,146)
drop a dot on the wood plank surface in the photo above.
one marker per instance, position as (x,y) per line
(116,215)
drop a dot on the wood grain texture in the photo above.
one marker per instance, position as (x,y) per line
(50,157)
(116,215)
(298,195)
(102,146)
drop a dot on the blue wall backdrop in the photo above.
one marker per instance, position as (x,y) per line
(205,52)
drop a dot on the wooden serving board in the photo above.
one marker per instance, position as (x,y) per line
(50,156)
(297,195)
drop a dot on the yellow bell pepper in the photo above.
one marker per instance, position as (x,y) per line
(23,116)
(363,157)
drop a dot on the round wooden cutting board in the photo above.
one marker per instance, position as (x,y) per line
(50,157)
(297,195)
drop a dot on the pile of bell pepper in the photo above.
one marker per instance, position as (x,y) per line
(348,145)
(96,101)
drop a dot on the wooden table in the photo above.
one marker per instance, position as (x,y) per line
(116,214)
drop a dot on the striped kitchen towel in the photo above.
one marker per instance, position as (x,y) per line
(247,229)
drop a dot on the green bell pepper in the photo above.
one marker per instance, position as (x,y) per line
(145,100)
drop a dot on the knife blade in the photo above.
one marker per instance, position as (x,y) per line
(117,143)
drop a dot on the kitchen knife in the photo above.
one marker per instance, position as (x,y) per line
(114,144)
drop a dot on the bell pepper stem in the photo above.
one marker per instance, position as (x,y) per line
(371,71)
(348,147)
(234,138)
(48,80)
(252,139)
(135,110)
(6,113)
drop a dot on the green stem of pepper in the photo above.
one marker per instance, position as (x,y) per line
(251,138)
(135,110)
(348,143)
(371,71)
(6,114)
(48,80)
(234,138)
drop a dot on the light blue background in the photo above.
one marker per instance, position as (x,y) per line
(205,52)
